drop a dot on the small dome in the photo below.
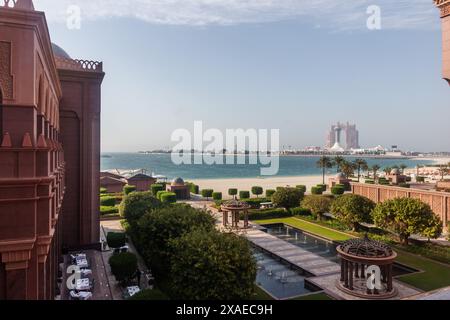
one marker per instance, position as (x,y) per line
(60,52)
(340,175)
(395,172)
(178,182)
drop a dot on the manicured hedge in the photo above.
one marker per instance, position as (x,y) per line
(103,190)
(168,197)
(217,196)
(324,187)
(129,189)
(193,188)
(267,214)
(207,193)
(106,210)
(123,265)
(108,201)
(302,188)
(116,239)
(338,190)
(316,190)
(270,193)
(155,188)
(370,182)
(244,195)
(255,203)
(404,185)
(159,194)
(299,211)
(420,179)
(233,192)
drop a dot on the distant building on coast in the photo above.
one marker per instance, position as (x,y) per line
(334,136)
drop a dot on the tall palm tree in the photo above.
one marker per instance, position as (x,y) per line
(338,161)
(387,170)
(443,170)
(348,168)
(375,169)
(324,163)
(403,167)
(361,164)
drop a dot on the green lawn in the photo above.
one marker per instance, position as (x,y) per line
(260,294)
(436,275)
(309,227)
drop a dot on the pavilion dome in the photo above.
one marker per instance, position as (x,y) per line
(178,182)
(60,52)
(366,248)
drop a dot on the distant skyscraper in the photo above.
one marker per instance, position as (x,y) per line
(351,136)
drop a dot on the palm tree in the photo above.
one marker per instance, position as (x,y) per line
(443,170)
(403,167)
(375,169)
(361,164)
(324,163)
(348,168)
(387,171)
(338,161)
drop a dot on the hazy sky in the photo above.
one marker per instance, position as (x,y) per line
(292,65)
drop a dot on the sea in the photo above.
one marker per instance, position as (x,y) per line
(161,164)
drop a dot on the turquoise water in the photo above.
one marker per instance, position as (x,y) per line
(161,164)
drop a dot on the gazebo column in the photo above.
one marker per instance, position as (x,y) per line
(350,273)
(246,219)
(363,275)
(342,270)
(225,218)
(389,278)
(346,274)
(356,270)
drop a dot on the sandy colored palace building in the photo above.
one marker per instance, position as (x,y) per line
(49,153)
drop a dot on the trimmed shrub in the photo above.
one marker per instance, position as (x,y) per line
(299,211)
(257,191)
(384,182)
(302,188)
(207,193)
(134,206)
(316,190)
(287,198)
(217,196)
(338,190)
(267,214)
(108,201)
(244,195)
(105,210)
(420,179)
(128,189)
(255,203)
(233,192)
(318,205)
(324,187)
(270,193)
(370,182)
(404,185)
(352,209)
(193,188)
(147,295)
(168,197)
(116,239)
(159,194)
(103,190)
(123,265)
(155,188)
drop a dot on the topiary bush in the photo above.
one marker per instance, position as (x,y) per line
(159,194)
(270,193)
(168,197)
(255,203)
(193,188)
(302,188)
(316,190)
(128,189)
(108,210)
(116,239)
(287,198)
(338,190)
(217,196)
(134,206)
(123,265)
(155,188)
(267,214)
(108,201)
(257,191)
(324,187)
(233,192)
(244,195)
(103,190)
(370,182)
(207,193)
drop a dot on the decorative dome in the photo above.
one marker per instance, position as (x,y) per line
(366,248)
(60,52)
(395,171)
(178,182)
(340,175)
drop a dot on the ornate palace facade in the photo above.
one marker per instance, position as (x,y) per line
(444,6)
(49,153)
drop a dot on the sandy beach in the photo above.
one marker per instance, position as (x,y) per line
(246,184)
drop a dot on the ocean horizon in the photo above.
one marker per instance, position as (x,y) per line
(290,166)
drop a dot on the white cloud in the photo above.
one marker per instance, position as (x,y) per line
(331,14)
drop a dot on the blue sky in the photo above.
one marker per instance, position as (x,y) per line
(294,65)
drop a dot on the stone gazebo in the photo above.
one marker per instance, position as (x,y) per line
(366,269)
(235,208)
